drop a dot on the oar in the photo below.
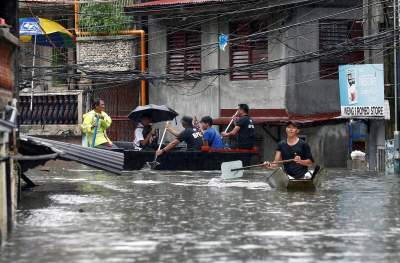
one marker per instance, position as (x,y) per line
(95,130)
(234,169)
(230,123)
(154,163)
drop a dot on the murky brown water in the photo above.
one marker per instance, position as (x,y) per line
(191,217)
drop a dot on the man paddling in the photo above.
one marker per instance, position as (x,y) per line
(190,135)
(293,148)
(244,129)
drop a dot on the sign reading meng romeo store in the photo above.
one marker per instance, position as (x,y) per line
(361,91)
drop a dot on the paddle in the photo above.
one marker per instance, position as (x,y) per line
(234,169)
(95,130)
(154,163)
(230,123)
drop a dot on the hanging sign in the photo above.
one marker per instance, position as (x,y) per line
(361,91)
(29,27)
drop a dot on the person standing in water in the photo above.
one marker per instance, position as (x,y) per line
(89,126)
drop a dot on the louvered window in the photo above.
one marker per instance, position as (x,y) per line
(248,50)
(184,52)
(332,33)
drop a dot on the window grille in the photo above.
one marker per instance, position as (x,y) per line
(332,33)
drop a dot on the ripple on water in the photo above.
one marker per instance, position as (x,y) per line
(168,216)
(221,183)
(134,246)
(326,233)
(76,199)
(147,182)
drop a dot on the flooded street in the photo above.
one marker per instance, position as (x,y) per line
(79,214)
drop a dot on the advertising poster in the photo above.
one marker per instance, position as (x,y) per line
(361,91)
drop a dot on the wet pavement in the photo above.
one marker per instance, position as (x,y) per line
(79,214)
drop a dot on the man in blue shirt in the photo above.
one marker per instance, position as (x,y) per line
(210,135)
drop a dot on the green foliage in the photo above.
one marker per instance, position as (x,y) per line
(103,17)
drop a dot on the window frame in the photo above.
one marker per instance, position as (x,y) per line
(329,69)
(179,44)
(249,45)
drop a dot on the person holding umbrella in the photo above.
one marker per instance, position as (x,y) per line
(145,115)
(145,134)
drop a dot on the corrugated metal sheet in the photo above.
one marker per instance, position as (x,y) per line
(175,2)
(280,117)
(103,159)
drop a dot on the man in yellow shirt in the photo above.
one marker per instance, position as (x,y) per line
(89,126)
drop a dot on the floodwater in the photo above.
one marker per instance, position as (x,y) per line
(78,214)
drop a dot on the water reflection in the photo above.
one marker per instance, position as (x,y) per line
(91,216)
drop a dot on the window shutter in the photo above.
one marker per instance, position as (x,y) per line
(248,50)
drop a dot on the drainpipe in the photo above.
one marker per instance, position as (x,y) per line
(141,33)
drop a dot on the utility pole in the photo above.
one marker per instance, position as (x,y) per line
(396,22)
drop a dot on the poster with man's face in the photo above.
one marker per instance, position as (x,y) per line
(361,90)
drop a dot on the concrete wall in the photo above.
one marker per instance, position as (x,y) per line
(208,95)
(259,94)
(328,143)
(296,87)
(194,97)
(106,53)
(306,93)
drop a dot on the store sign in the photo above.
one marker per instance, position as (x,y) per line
(361,91)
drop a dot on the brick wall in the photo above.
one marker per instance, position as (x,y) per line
(107,53)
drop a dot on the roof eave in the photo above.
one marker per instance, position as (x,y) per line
(138,10)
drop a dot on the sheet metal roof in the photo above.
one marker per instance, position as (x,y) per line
(281,117)
(175,2)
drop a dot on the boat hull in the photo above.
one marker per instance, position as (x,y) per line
(185,160)
(280,180)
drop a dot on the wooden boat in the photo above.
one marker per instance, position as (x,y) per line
(280,180)
(184,160)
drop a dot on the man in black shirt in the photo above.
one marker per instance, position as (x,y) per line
(294,148)
(190,135)
(244,129)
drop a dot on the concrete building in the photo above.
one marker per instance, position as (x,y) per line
(182,42)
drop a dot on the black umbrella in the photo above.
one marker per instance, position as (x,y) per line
(156,112)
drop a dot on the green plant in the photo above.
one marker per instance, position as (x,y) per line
(103,17)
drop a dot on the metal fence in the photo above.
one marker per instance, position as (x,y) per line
(51,108)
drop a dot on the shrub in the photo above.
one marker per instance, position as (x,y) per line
(103,17)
